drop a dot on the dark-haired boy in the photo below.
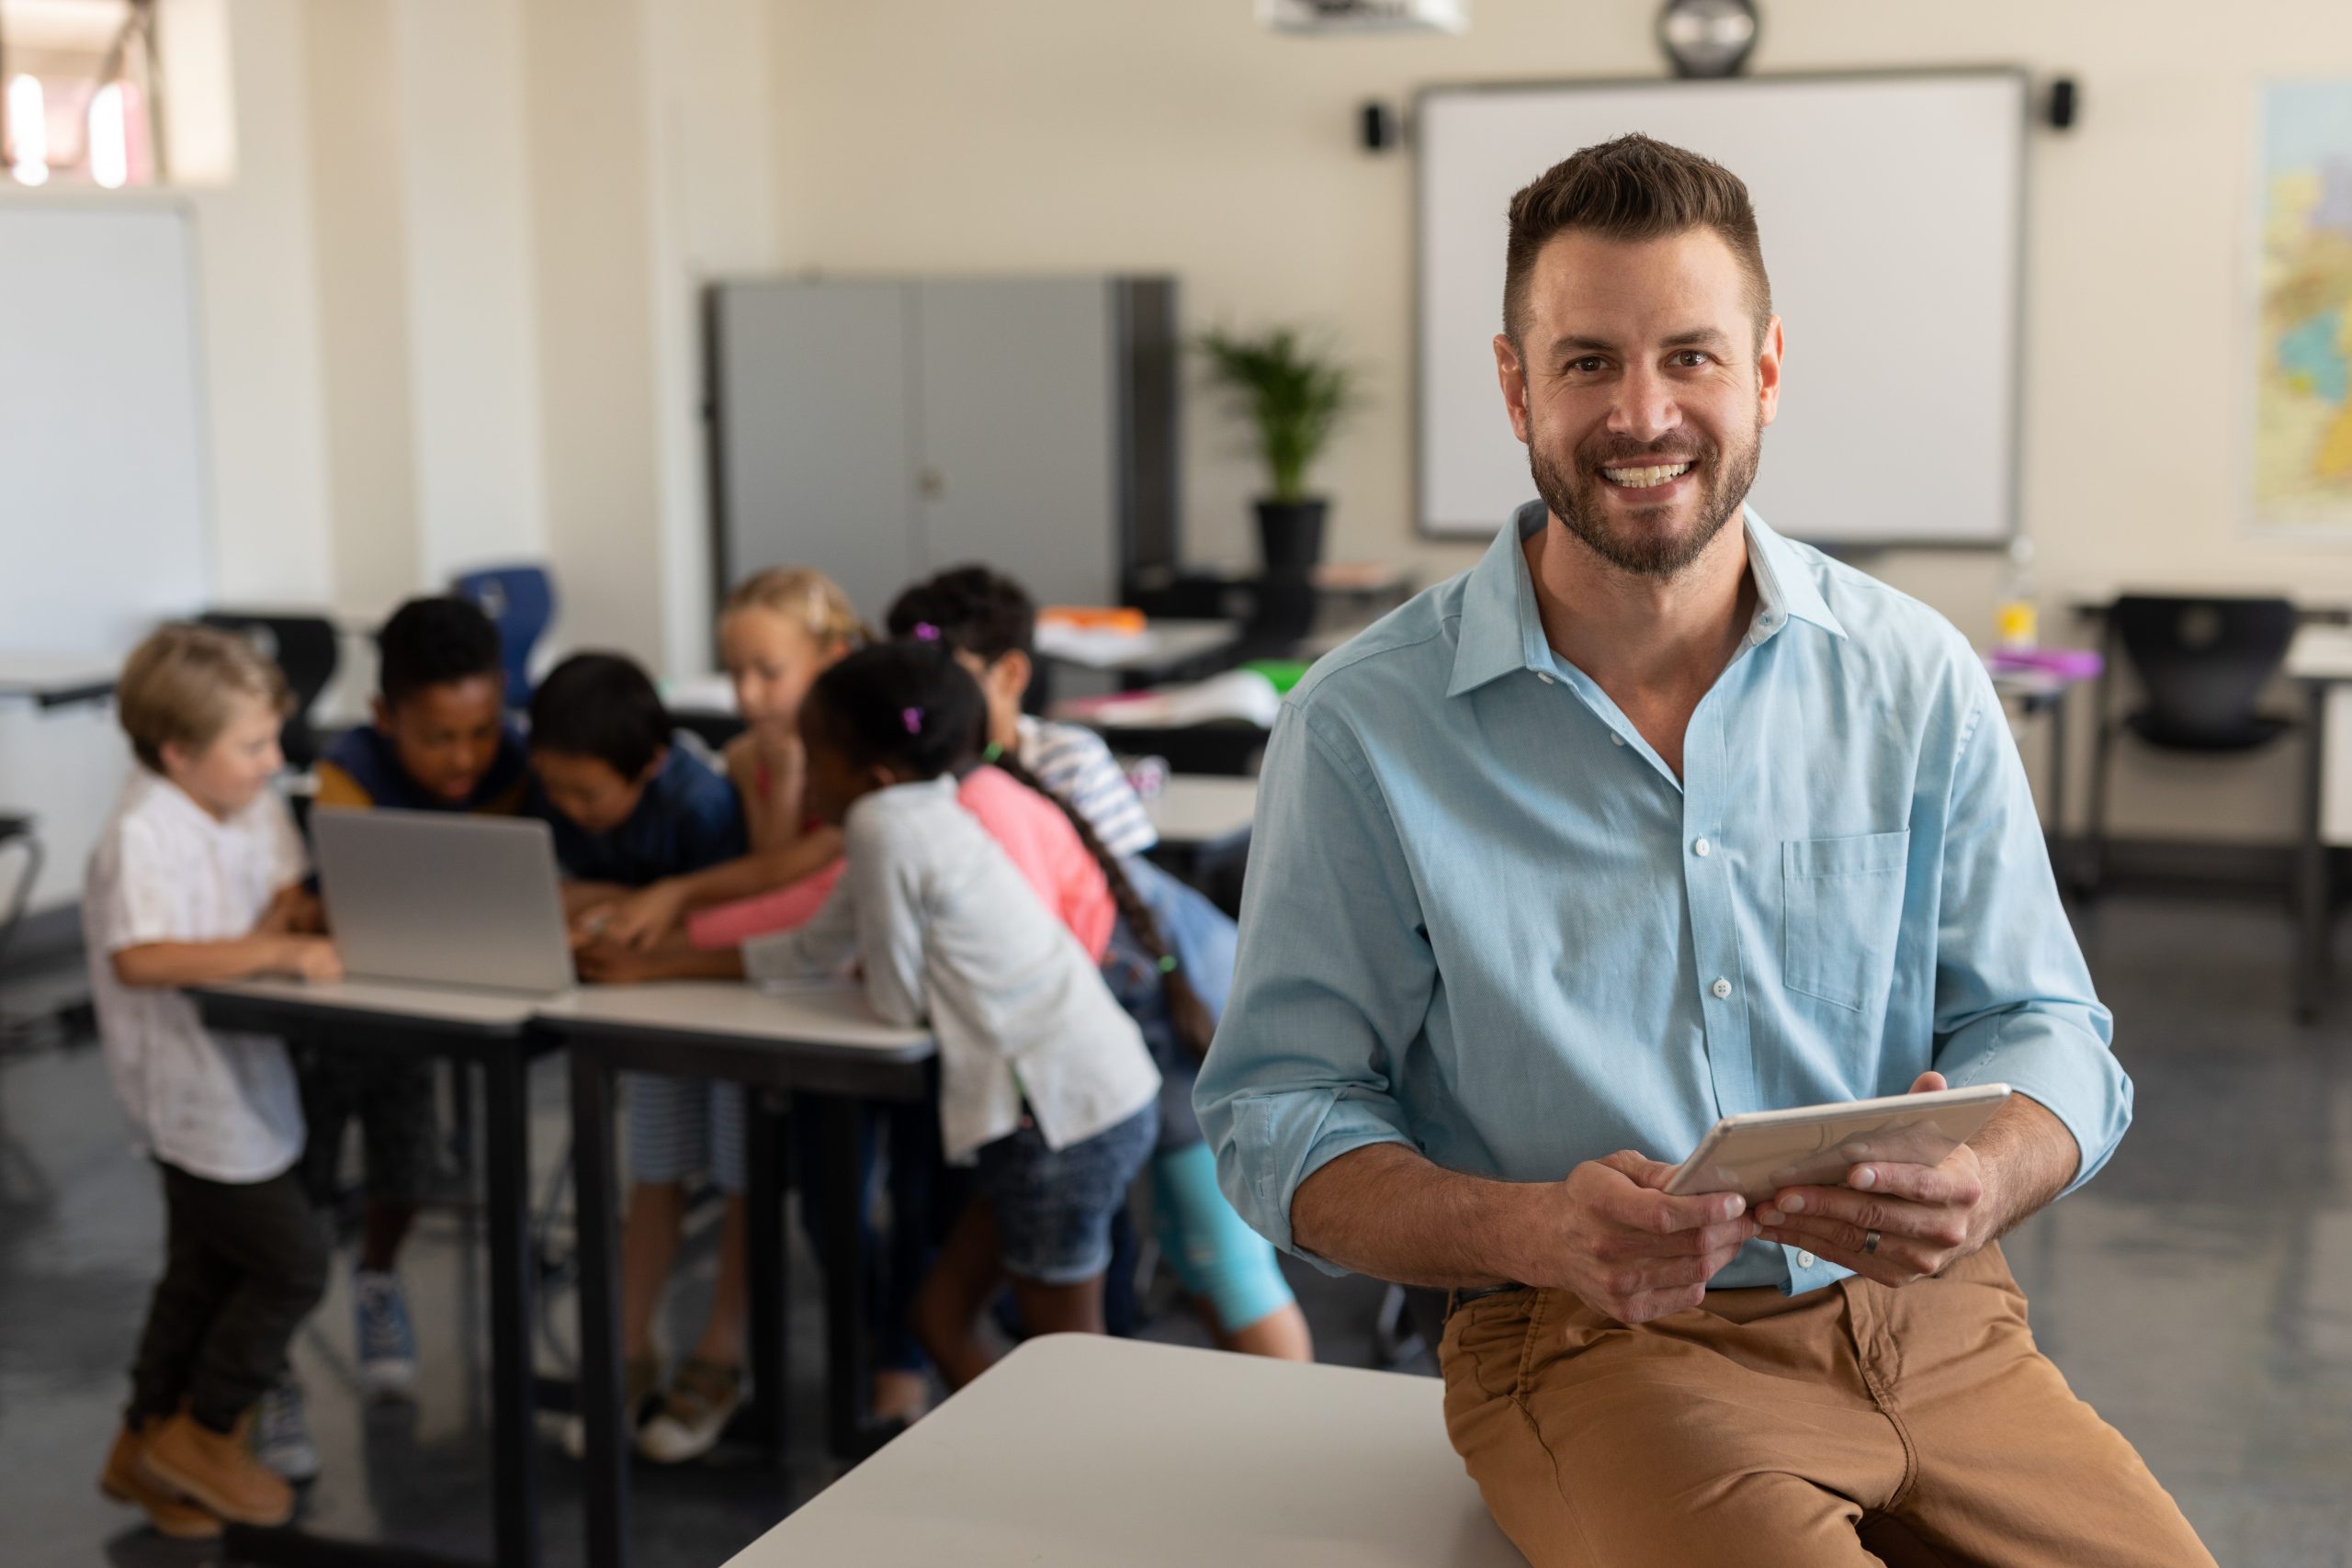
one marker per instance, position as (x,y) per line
(628,809)
(441,742)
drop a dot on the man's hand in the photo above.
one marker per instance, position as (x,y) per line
(641,918)
(1625,1249)
(1928,1217)
(312,959)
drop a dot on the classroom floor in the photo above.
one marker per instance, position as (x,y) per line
(2198,1293)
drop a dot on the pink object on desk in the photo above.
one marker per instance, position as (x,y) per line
(2065,663)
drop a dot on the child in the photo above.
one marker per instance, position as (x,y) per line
(195,878)
(628,808)
(777,632)
(1227,1269)
(440,742)
(1046,1084)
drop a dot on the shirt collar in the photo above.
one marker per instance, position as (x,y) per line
(1502,631)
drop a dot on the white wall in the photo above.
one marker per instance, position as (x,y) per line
(1087,134)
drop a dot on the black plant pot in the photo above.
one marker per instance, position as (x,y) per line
(1290,536)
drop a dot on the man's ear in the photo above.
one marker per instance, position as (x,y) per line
(1768,372)
(653,768)
(1512,374)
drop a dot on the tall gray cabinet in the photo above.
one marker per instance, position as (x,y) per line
(879,429)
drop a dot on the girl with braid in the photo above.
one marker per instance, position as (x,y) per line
(1171,960)
(1046,1087)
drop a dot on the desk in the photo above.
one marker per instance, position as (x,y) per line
(493,1029)
(2320,661)
(1201,818)
(821,1043)
(1164,651)
(53,681)
(1075,1451)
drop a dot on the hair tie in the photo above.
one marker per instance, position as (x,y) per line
(914,717)
(926,632)
(1167,964)
(991,753)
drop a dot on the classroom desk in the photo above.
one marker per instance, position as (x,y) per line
(52,682)
(493,1030)
(1076,1451)
(822,1044)
(2320,661)
(1200,818)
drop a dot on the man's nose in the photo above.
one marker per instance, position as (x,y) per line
(1645,408)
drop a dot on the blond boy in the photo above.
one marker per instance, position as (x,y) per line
(196,879)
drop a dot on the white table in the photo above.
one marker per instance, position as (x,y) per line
(1162,645)
(495,1030)
(1201,811)
(822,1041)
(54,681)
(1076,1451)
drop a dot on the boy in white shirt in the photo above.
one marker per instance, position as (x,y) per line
(197,878)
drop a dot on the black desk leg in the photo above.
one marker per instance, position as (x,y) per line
(605,1480)
(764,1202)
(2058,841)
(845,1353)
(513,1470)
(2311,889)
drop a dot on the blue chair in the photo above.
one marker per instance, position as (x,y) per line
(307,649)
(519,601)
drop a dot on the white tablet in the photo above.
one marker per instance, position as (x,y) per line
(1758,1154)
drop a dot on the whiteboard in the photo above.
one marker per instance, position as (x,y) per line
(104,489)
(1891,206)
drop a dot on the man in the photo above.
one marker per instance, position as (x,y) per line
(1646,819)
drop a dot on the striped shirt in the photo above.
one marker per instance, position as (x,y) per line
(1076,767)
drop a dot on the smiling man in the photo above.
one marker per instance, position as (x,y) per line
(1654,817)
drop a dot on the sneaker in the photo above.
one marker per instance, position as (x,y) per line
(216,1471)
(282,1436)
(387,1339)
(640,1381)
(124,1481)
(701,1401)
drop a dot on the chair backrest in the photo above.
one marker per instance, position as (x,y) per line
(307,649)
(2204,660)
(520,600)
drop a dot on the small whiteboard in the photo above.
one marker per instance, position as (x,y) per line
(1891,210)
(104,487)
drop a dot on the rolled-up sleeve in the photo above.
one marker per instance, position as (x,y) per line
(1333,982)
(2014,1001)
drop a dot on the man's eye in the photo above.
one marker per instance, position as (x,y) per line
(1691,358)
(1587,365)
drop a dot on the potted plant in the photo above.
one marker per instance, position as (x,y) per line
(1296,399)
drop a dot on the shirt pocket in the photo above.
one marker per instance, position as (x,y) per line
(1841,910)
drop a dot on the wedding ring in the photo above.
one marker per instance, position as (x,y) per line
(1870,1241)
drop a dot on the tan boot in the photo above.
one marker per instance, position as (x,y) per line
(218,1471)
(123,1481)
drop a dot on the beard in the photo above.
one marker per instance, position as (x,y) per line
(1641,546)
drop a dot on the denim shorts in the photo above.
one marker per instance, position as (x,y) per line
(1054,1206)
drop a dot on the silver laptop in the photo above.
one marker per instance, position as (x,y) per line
(442,898)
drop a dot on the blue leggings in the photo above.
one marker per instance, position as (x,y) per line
(1216,1255)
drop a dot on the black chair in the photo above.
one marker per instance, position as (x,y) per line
(2202,664)
(307,649)
(17,833)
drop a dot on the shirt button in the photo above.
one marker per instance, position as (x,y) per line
(1722,989)
(1615,738)
(1806,1260)
(1542,677)
(1703,848)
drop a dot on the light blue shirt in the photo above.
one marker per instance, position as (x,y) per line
(1485,920)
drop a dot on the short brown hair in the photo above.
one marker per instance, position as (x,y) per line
(176,688)
(1631,189)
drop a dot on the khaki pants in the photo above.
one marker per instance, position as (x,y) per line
(1853,1425)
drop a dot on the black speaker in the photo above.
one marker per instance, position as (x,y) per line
(2065,104)
(1376,127)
